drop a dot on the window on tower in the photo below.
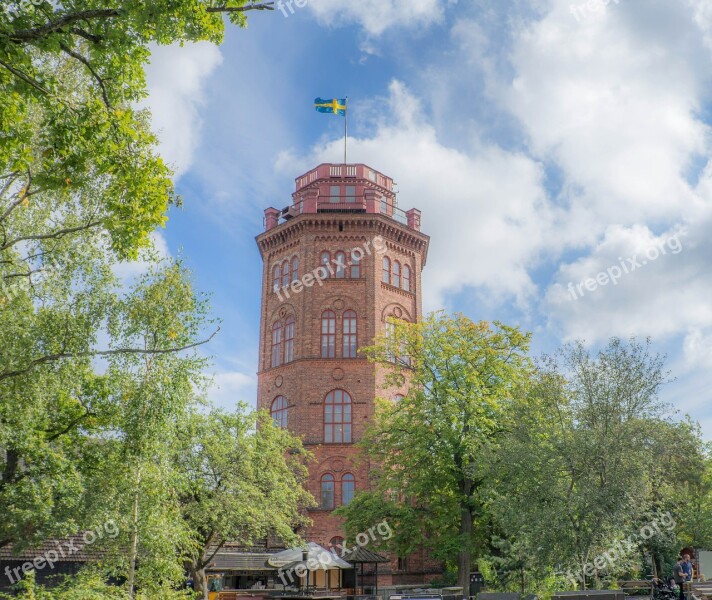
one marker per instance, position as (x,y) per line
(289,340)
(277,280)
(276,344)
(285,274)
(335,194)
(279,412)
(340,259)
(356,256)
(350,321)
(295,269)
(337,418)
(348,488)
(386,269)
(327,491)
(406,278)
(325,264)
(396,274)
(328,334)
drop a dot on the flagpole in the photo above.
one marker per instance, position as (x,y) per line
(346,126)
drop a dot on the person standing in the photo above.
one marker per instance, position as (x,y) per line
(687,569)
(678,572)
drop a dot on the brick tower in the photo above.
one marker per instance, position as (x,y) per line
(338,261)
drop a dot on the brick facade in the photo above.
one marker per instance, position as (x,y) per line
(363,217)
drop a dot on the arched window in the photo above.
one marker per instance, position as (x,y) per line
(406,278)
(328,334)
(340,260)
(325,264)
(337,418)
(327,491)
(276,344)
(348,488)
(356,256)
(285,274)
(398,397)
(386,269)
(295,269)
(289,340)
(336,544)
(390,340)
(350,337)
(279,412)
(277,277)
(396,274)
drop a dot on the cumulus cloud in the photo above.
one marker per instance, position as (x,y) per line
(177,77)
(377,16)
(488,212)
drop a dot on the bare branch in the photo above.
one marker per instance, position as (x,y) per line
(90,354)
(261,6)
(67,50)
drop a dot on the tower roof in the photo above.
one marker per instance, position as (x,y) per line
(347,189)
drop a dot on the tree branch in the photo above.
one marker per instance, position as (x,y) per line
(62,355)
(29,35)
(261,6)
(67,50)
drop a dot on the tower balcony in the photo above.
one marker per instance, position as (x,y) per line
(345,189)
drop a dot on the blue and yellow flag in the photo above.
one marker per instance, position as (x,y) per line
(332,107)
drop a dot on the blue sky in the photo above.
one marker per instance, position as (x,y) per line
(546,142)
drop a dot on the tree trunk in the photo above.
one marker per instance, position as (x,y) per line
(463,557)
(134,537)
(200,581)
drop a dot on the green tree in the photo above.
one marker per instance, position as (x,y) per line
(71,72)
(242,480)
(433,449)
(576,470)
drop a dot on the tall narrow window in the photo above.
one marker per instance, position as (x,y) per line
(384,205)
(390,341)
(396,274)
(295,269)
(327,491)
(406,278)
(356,256)
(285,274)
(348,488)
(279,412)
(276,344)
(325,264)
(340,259)
(289,340)
(350,194)
(337,418)
(335,194)
(277,277)
(328,334)
(350,339)
(386,269)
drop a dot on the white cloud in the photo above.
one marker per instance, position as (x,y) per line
(376,16)
(230,387)
(487,213)
(177,77)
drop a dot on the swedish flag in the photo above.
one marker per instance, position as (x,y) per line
(332,107)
